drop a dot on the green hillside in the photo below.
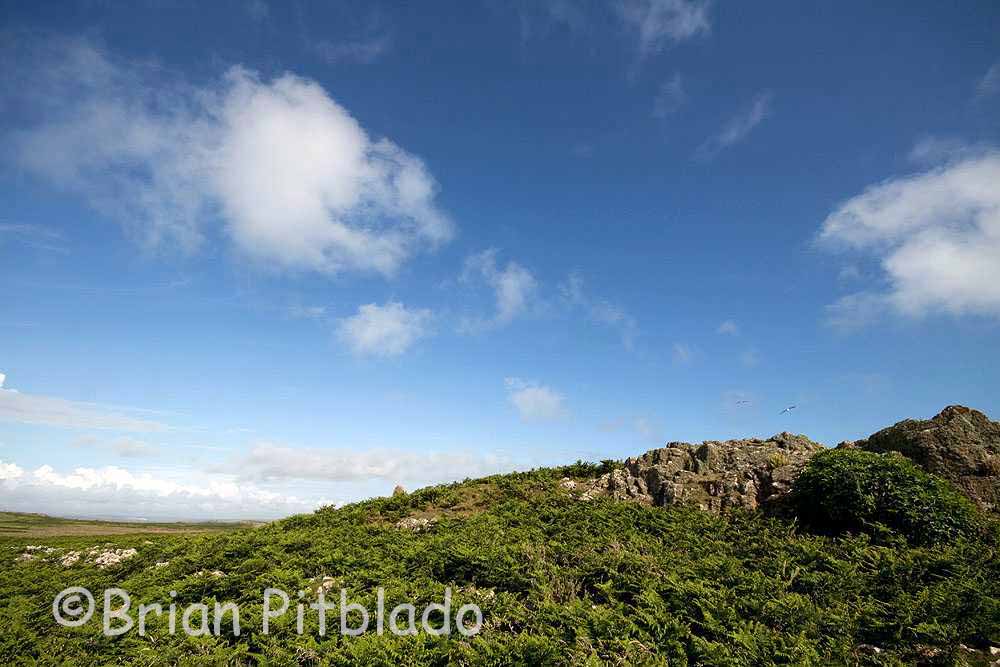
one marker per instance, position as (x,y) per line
(560,581)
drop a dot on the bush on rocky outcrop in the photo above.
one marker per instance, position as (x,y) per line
(850,490)
(959,443)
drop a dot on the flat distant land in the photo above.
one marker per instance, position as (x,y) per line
(20,524)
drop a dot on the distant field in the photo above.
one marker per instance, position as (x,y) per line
(17,524)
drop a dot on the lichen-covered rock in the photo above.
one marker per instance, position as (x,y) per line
(714,475)
(960,444)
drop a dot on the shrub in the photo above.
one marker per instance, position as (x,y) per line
(849,490)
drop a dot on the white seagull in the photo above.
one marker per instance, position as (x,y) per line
(788,409)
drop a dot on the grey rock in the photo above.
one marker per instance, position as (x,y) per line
(714,475)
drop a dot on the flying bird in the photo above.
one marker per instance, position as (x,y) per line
(742,402)
(788,409)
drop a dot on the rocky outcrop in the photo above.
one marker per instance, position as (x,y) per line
(714,475)
(960,444)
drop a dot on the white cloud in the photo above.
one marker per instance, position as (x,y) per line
(658,23)
(113,491)
(990,83)
(535,402)
(3,378)
(937,237)
(51,411)
(670,97)
(268,461)
(682,354)
(729,328)
(600,310)
(384,331)
(295,179)
(513,287)
(10,471)
(738,127)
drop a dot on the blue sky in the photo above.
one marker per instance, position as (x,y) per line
(262,256)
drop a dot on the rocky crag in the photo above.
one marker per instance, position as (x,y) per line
(714,475)
(959,444)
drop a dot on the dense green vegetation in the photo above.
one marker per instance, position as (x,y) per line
(560,581)
(23,524)
(857,491)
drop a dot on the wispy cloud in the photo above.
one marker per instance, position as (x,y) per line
(384,331)
(123,447)
(990,83)
(36,236)
(269,461)
(513,286)
(537,18)
(737,129)
(535,401)
(682,354)
(647,429)
(670,97)
(659,23)
(300,312)
(51,411)
(728,328)
(258,10)
(361,51)
(750,358)
(601,311)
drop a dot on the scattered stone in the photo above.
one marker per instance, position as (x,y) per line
(162,563)
(33,551)
(71,558)
(567,483)
(416,524)
(326,584)
(868,649)
(111,557)
(214,574)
